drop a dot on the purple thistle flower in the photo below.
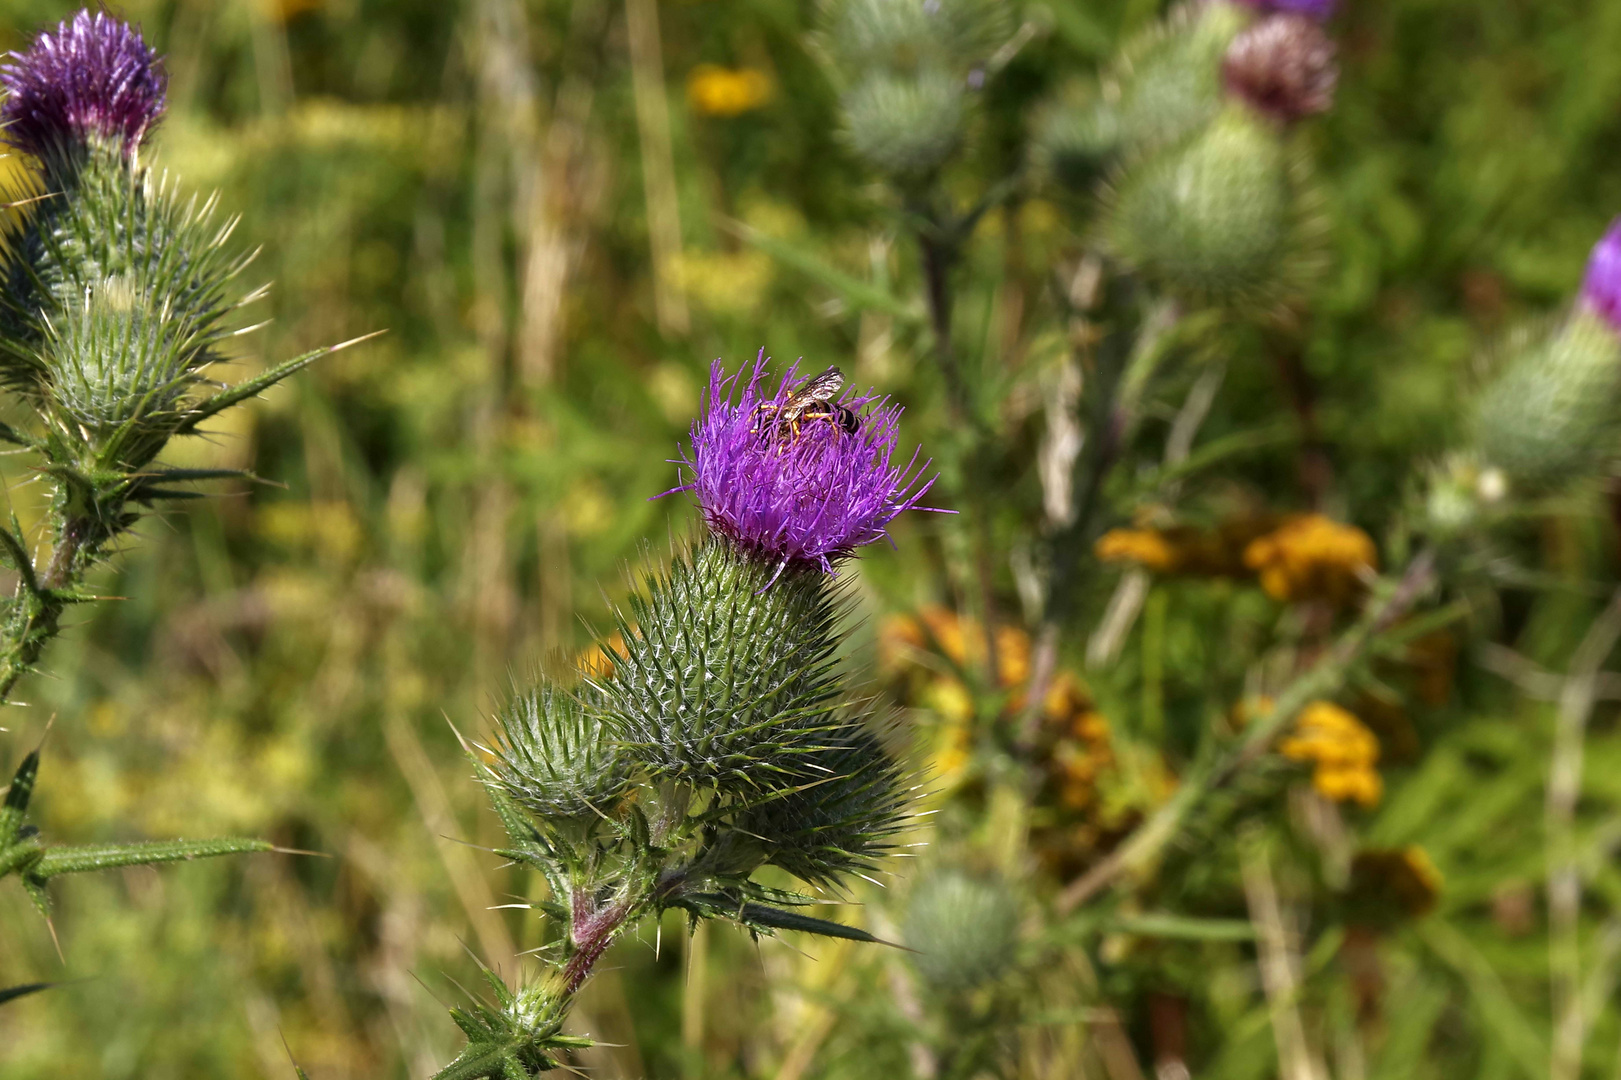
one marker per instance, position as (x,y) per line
(94,77)
(1321,10)
(1601,286)
(1283,66)
(808,496)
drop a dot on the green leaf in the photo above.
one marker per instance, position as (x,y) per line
(1215,452)
(12,993)
(480,1061)
(770,918)
(260,383)
(17,438)
(15,554)
(17,796)
(78,859)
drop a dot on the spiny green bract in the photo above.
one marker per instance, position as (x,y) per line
(905,36)
(117,301)
(115,223)
(1165,87)
(1226,217)
(556,756)
(964,930)
(1167,83)
(1550,416)
(905,127)
(727,674)
(113,357)
(516,1038)
(840,820)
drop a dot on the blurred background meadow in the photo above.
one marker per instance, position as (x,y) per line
(562,211)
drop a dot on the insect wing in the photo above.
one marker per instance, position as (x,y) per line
(819,388)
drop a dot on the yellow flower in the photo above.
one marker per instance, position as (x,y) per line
(718,91)
(952,754)
(1354,783)
(1312,557)
(1343,750)
(951,700)
(1147,548)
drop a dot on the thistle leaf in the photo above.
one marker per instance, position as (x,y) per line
(12,993)
(761,917)
(18,794)
(260,383)
(82,858)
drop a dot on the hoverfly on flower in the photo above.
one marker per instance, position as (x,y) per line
(813,399)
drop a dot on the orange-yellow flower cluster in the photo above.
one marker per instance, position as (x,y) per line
(1184,549)
(907,642)
(1312,557)
(1344,751)
(903,638)
(1083,751)
(1148,548)
(718,91)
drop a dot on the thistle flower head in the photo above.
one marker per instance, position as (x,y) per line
(1320,10)
(93,78)
(1282,66)
(964,931)
(1601,287)
(842,817)
(793,479)
(554,756)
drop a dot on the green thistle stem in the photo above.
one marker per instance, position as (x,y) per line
(36,614)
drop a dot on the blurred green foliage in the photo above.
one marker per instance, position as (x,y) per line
(456,500)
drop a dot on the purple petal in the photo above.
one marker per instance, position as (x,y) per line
(1321,10)
(1601,287)
(812,497)
(94,77)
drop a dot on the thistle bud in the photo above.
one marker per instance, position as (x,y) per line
(905,127)
(1167,84)
(907,69)
(726,676)
(1222,218)
(842,817)
(1283,67)
(909,35)
(964,931)
(1549,417)
(555,757)
(94,81)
